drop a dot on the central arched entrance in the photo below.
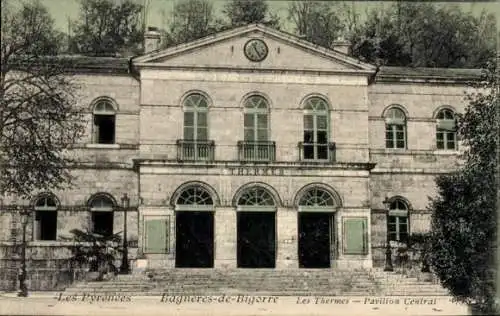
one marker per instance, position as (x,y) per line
(194,228)
(316,227)
(256,228)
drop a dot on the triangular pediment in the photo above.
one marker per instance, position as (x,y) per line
(227,50)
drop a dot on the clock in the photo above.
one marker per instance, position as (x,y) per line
(255,50)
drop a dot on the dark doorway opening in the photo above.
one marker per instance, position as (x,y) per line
(256,239)
(194,233)
(315,231)
(102,223)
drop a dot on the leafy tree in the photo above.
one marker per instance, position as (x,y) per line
(29,30)
(38,117)
(106,28)
(463,231)
(191,20)
(424,35)
(243,12)
(317,21)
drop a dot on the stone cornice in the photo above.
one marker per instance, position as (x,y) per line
(271,165)
(315,72)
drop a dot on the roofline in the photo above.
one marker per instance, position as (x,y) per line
(224,35)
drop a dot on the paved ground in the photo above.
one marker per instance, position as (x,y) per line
(44,303)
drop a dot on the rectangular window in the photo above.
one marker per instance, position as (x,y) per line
(102,223)
(395,136)
(46,225)
(398,228)
(446,140)
(104,129)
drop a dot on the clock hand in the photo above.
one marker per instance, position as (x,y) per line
(254,47)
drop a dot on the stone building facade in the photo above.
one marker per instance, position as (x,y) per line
(251,149)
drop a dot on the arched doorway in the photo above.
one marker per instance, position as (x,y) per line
(256,228)
(316,228)
(194,228)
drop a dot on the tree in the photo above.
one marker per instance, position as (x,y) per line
(243,12)
(318,22)
(38,117)
(106,28)
(424,35)
(464,219)
(191,20)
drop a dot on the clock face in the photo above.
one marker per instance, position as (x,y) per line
(256,50)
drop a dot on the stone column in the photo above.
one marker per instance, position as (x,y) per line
(286,239)
(225,238)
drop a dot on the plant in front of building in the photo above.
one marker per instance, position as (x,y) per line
(95,252)
(464,219)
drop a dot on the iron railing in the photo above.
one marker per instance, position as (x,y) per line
(256,151)
(195,150)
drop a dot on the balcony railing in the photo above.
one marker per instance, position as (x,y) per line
(256,151)
(321,152)
(195,150)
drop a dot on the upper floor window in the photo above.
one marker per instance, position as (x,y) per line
(102,207)
(256,119)
(256,145)
(195,145)
(395,129)
(398,221)
(446,130)
(45,227)
(316,129)
(104,122)
(195,117)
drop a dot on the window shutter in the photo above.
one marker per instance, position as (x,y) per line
(355,236)
(156,236)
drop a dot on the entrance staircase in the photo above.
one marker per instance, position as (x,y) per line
(324,282)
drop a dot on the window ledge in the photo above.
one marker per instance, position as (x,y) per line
(396,150)
(103,146)
(443,152)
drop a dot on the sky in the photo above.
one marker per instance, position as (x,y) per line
(160,10)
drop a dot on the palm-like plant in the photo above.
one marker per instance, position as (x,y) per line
(95,251)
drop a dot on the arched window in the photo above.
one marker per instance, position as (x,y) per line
(195,142)
(101,208)
(315,197)
(195,117)
(316,129)
(45,227)
(255,196)
(104,122)
(395,129)
(256,145)
(255,121)
(446,130)
(194,197)
(398,221)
